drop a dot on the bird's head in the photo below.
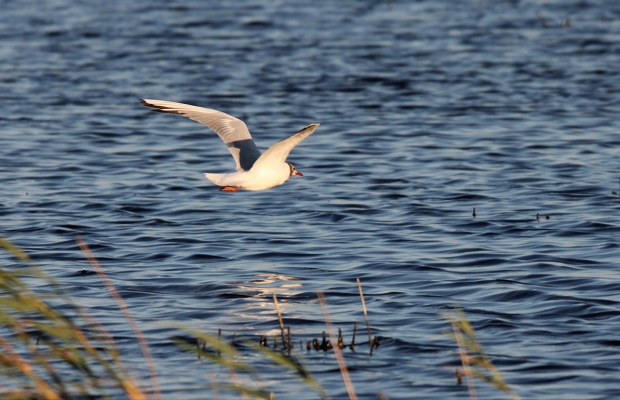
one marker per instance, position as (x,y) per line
(294,171)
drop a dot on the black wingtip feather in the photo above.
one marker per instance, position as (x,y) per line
(157,108)
(314,125)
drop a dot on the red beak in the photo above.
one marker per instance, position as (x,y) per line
(298,173)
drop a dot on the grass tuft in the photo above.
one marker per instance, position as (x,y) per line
(48,354)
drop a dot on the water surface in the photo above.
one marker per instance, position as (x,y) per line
(427,110)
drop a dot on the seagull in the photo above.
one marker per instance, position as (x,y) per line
(255,171)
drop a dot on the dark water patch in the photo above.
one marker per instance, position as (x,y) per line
(157,257)
(160,222)
(183,212)
(544,260)
(203,257)
(135,209)
(497,324)
(467,197)
(475,223)
(593,314)
(361,211)
(576,192)
(516,295)
(328,216)
(179,188)
(394,196)
(146,239)
(46,256)
(599,226)
(280,255)
(420,210)
(181,240)
(83,272)
(128,222)
(95,206)
(74,227)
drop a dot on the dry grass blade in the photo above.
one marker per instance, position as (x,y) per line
(16,251)
(125,310)
(47,391)
(214,388)
(337,351)
(238,386)
(382,396)
(464,357)
(359,285)
(245,391)
(478,363)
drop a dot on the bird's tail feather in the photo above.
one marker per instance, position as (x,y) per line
(216,178)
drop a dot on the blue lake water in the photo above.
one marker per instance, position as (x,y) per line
(427,110)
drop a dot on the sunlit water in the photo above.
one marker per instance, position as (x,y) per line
(427,110)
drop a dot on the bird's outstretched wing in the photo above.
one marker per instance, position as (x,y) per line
(279,151)
(231,130)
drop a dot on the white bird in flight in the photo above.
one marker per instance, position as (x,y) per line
(254,171)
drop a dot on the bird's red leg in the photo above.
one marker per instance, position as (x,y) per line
(230,188)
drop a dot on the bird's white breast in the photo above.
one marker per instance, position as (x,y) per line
(267,176)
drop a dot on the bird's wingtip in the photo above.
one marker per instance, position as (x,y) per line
(158,106)
(312,127)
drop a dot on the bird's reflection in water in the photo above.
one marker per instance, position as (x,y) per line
(260,307)
(266,284)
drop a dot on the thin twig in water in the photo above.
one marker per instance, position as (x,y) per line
(339,357)
(543,20)
(125,310)
(352,346)
(359,285)
(275,301)
(288,334)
